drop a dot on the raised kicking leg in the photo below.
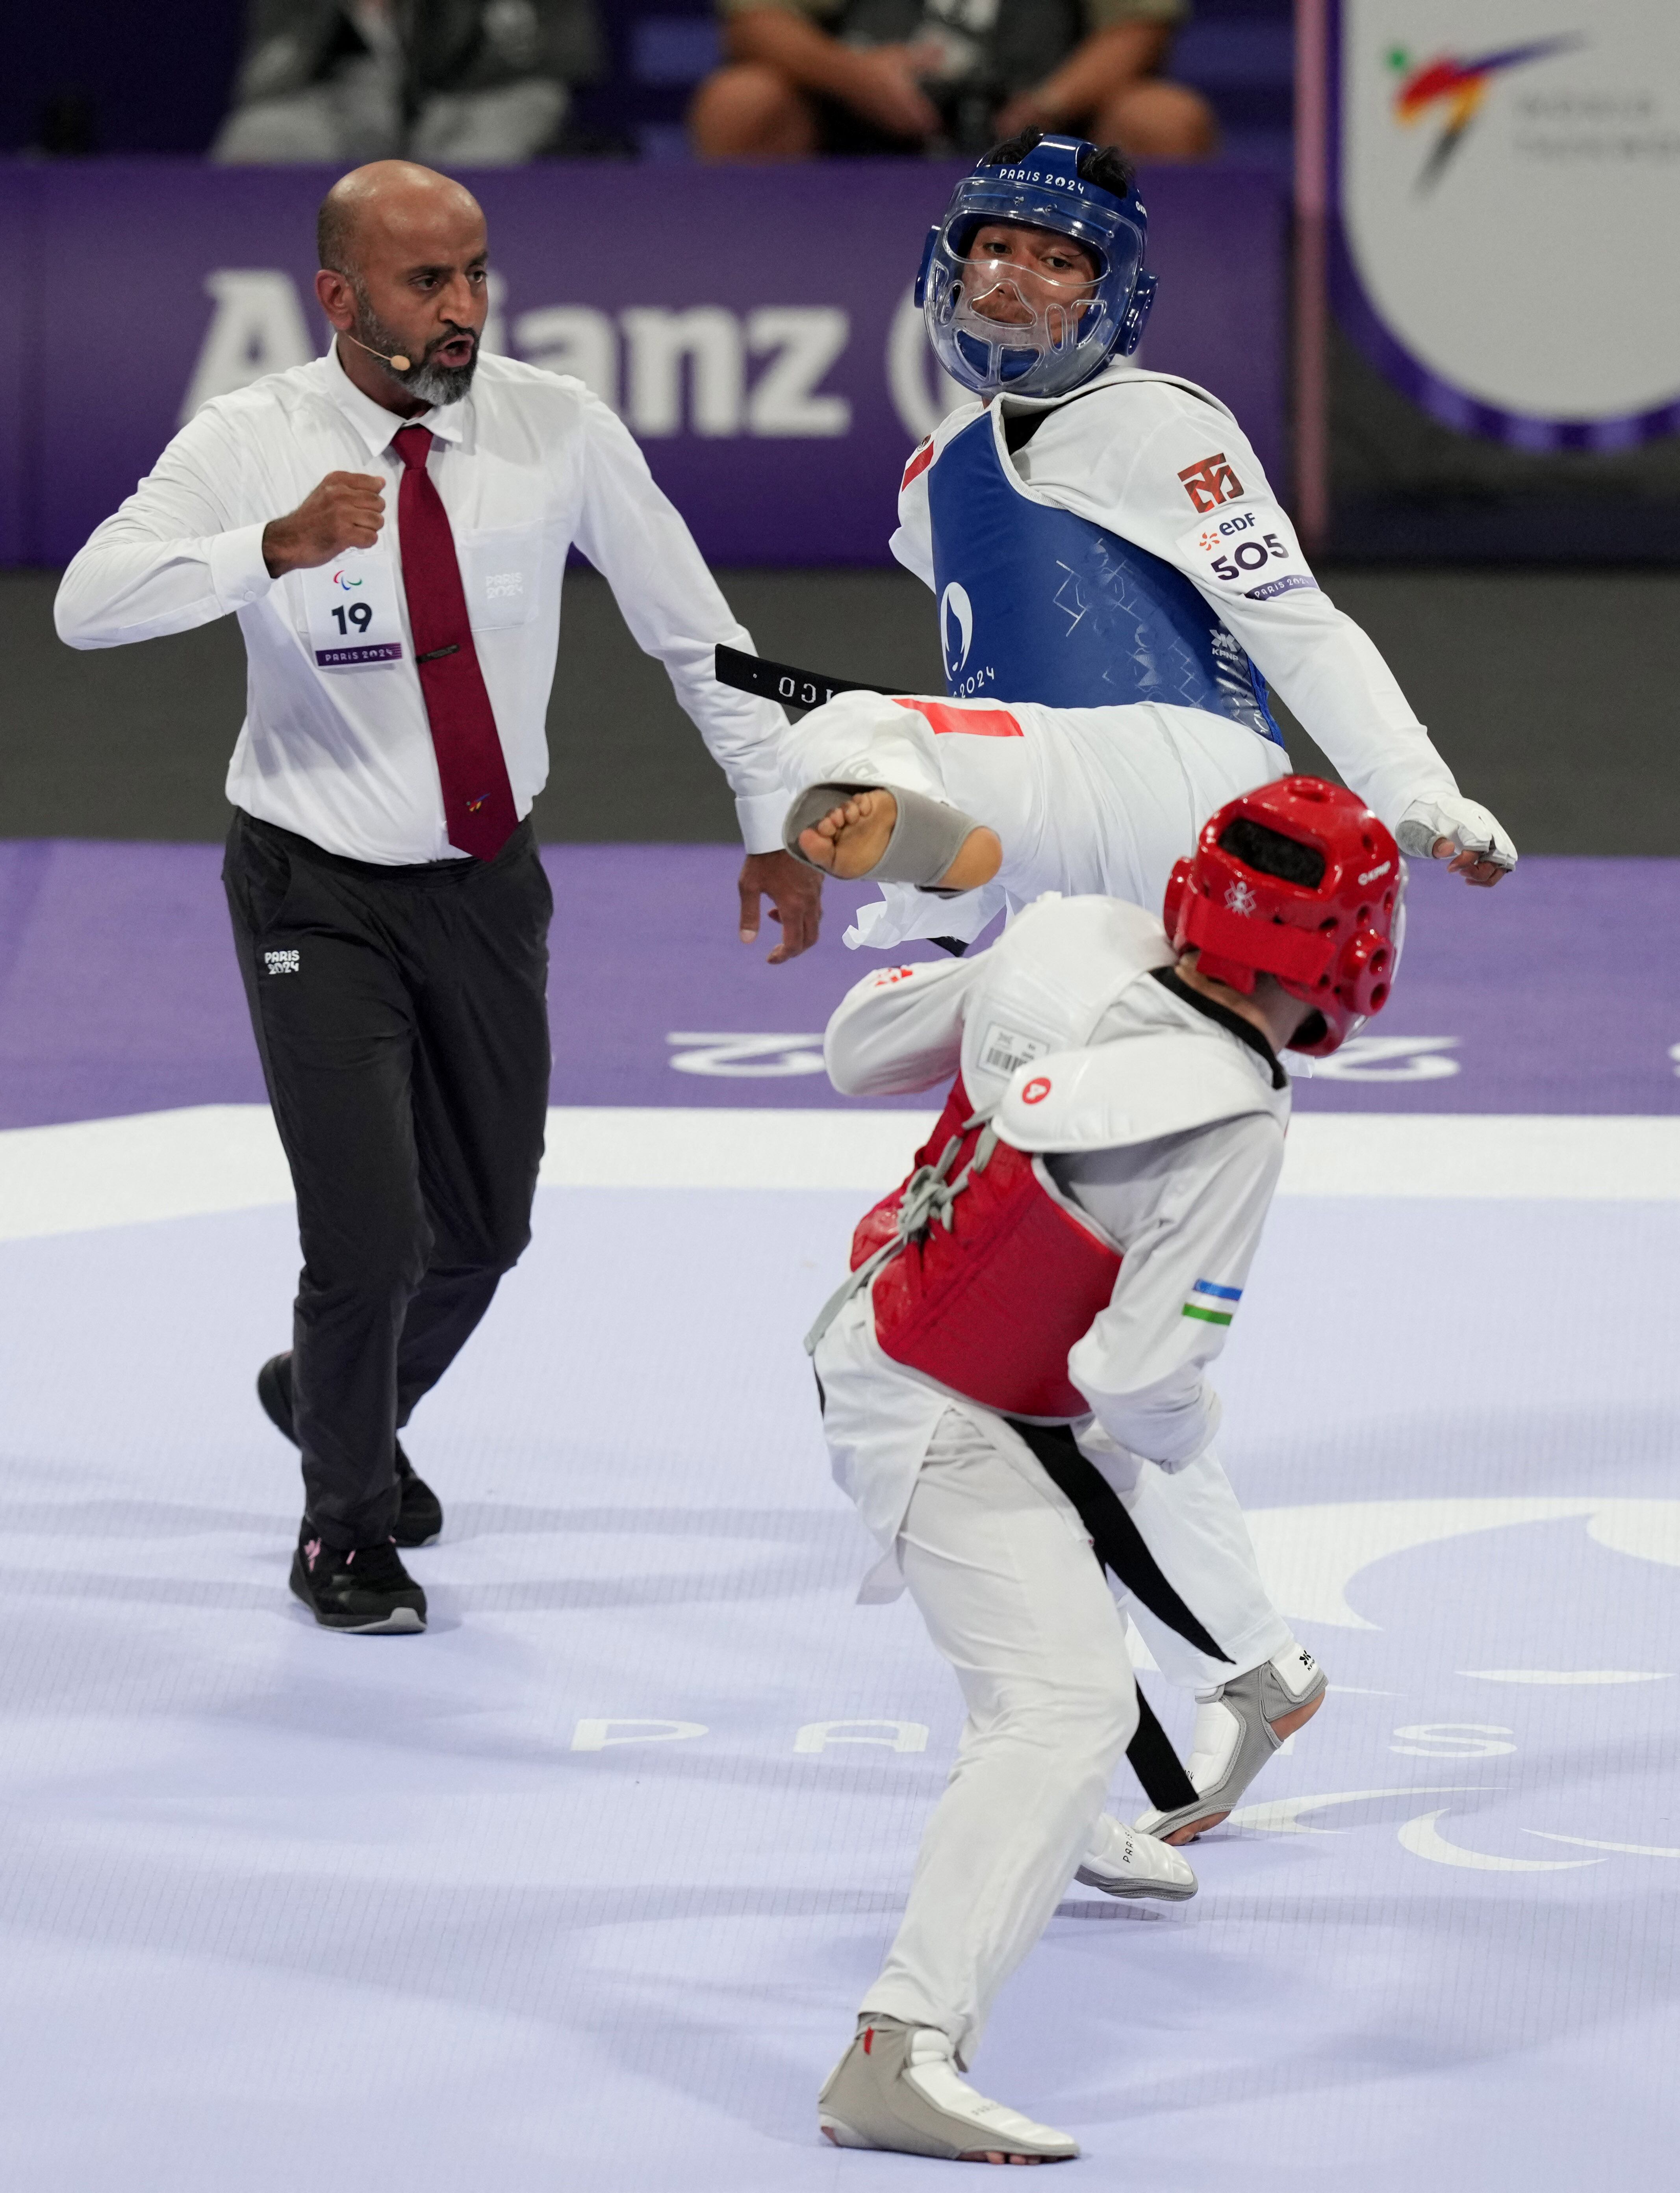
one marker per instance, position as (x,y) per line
(860,743)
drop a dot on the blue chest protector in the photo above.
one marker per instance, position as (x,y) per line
(1037,604)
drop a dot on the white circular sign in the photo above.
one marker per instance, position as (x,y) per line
(1510,186)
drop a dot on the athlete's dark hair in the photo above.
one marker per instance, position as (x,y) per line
(1105,165)
(1270,853)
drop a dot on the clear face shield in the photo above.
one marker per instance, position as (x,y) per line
(1016,308)
(1035,306)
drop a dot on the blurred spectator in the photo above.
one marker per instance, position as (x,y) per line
(452,83)
(807,77)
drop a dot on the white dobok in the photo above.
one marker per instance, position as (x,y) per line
(1083,799)
(1165,1130)
(1106,797)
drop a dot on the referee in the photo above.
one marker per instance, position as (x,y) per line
(391,526)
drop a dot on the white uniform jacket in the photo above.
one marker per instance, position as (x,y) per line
(1163,464)
(1158,1120)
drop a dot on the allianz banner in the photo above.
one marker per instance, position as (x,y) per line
(752,327)
(1507,175)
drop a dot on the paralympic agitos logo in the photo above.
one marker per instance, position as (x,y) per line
(1452,91)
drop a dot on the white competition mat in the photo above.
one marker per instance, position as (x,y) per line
(581,1888)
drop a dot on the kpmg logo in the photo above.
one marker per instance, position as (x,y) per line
(957,628)
(1454,91)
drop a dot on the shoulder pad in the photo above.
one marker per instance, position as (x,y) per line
(1123,376)
(1111,1095)
(1094,937)
(1048,980)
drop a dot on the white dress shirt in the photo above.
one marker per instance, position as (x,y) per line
(1126,452)
(527,464)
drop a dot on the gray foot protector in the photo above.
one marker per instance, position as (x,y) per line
(869,2101)
(1257,1699)
(927,837)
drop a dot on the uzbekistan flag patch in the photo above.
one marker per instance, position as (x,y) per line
(1212,1305)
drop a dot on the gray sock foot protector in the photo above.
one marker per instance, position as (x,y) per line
(926,838)
(868,2101)
(1257,1699)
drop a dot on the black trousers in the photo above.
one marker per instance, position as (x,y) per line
(401,1015)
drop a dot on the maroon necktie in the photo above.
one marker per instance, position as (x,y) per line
(478,810)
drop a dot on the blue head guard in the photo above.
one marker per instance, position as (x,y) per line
(1029,345)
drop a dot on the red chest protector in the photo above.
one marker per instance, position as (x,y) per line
(989,1295)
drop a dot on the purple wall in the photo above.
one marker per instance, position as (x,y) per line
(782,447)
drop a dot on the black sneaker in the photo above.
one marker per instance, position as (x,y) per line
(420,1512)
(365,1589)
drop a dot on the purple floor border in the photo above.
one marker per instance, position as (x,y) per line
(118,991)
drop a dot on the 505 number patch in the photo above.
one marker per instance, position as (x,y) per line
(1245,550)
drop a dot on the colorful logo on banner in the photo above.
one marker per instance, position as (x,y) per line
(1497,286)
(1454,91)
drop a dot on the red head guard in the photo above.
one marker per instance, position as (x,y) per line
(1330,926)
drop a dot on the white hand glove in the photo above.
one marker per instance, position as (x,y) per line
(1468,827)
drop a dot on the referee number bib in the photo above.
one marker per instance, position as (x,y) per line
(351,605)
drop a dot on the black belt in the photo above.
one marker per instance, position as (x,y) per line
(1119,1546)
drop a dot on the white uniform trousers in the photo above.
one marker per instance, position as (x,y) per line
(1082,799)
(881,1425)
(1191,1522)
(1003,1571)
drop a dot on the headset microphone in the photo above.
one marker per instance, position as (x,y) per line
(397,362)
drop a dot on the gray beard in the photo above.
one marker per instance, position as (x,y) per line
(440,384)
(431,383)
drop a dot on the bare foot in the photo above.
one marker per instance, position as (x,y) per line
(850,839)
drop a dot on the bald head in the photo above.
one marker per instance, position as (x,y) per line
(402,275)
(387,202)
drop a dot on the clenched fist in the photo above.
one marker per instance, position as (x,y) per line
(346,511)
(1444,826)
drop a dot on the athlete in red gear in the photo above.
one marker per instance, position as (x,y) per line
(1018,1364)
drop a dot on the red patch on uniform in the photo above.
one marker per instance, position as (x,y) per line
(919,463)
(975,723)
(1210,483)
(1036,1091)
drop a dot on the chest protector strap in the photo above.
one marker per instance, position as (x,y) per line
(986,1279)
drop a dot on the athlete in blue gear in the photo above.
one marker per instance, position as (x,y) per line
(1100,536)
